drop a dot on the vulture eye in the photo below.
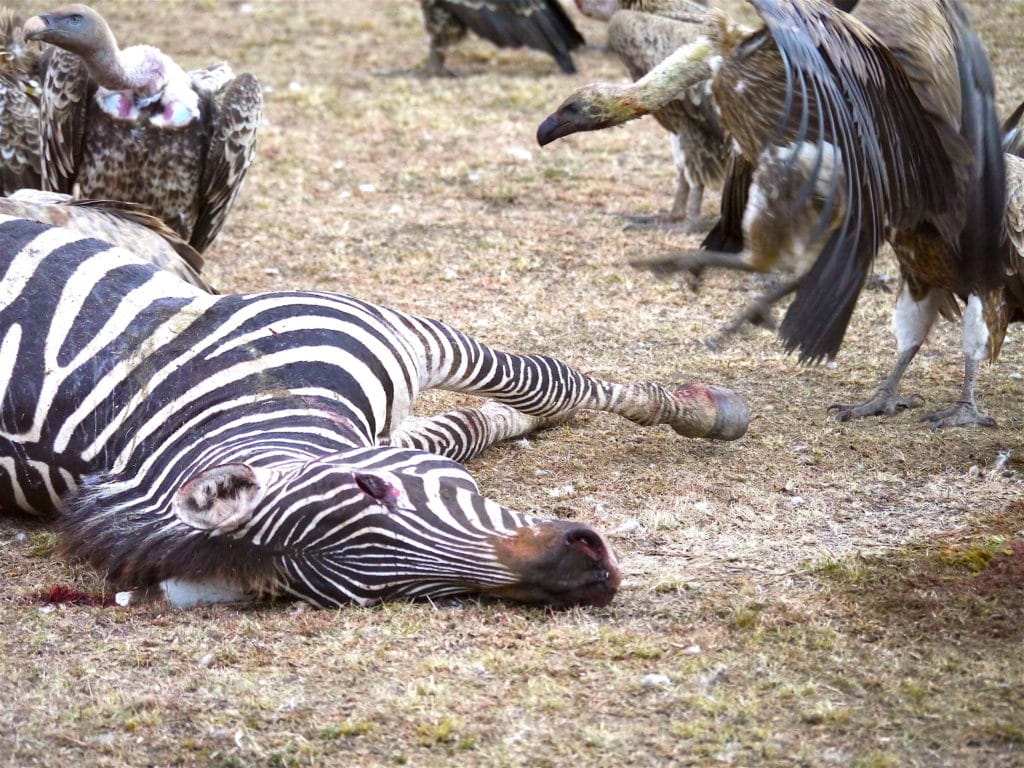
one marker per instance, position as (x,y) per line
(75,19)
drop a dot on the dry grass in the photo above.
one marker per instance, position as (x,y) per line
(815,594)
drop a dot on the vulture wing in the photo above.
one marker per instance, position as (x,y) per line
(727,233)
(1013,132)
(1014,218)
(979,265)
(233,116)
(845,88)
(20,160)
(63,114)
(539,24)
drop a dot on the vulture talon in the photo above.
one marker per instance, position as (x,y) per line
(658,223)
(884,403)
(961,414)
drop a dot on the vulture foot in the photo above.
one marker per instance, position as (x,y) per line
(758,312)
(668,223)
(961,414)
(884,403)
(434,66)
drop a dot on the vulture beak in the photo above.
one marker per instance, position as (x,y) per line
(35,27)
(555,126)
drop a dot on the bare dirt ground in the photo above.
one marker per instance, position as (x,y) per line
(813,594)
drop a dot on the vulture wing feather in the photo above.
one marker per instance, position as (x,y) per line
(884,147)
(233,114)
(979,264)
(539,24)
(63,114)
(20,160)
(727,233)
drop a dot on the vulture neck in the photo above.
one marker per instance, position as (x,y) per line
(105,63)
(672,78)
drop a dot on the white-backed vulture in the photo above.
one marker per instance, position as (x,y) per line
(643,33)
(929,174)
(22,66)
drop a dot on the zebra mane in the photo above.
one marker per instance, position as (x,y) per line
(139,548)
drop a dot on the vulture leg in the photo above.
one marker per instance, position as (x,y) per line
(434,65)
(695,262)
(975,340)
(911,320)
(687,208)
(686,205)
(681,204)
(757,312)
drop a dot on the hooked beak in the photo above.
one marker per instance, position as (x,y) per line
(36,27)
(555,126)
(560,564)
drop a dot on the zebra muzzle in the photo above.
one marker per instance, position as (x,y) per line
(559,564)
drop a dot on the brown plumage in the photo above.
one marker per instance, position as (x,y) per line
(539,24)
(22,66)
(122,224)
(643,33)
(930,169)
(177,143)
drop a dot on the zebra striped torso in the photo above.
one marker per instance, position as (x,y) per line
(257,441)
(110,362)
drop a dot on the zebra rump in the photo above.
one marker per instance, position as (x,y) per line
(257,445)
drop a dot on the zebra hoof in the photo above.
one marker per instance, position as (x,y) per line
(714,413)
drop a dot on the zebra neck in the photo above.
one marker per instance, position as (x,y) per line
(268,434)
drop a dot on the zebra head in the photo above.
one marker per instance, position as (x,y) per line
(362,526)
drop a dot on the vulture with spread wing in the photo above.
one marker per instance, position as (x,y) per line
(929,175)
(643,33)
(539,24)
(131,125)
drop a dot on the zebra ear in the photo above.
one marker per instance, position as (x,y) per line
(220,499)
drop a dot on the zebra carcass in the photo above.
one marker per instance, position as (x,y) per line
(241,446)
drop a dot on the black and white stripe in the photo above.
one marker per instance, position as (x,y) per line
(260,442)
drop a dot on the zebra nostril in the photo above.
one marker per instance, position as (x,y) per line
(587,541)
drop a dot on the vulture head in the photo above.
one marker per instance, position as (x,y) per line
(602,105)
(591,108)
(75,28)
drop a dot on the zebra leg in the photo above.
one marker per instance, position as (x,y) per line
(462,434)
(545,387)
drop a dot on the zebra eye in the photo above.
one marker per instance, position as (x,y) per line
(376,487)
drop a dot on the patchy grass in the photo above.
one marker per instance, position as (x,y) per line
(814,594)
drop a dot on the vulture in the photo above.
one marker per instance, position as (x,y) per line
(131,125)
(929,175)
(122,224)
(643,33)
(22,66)
(539,24)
